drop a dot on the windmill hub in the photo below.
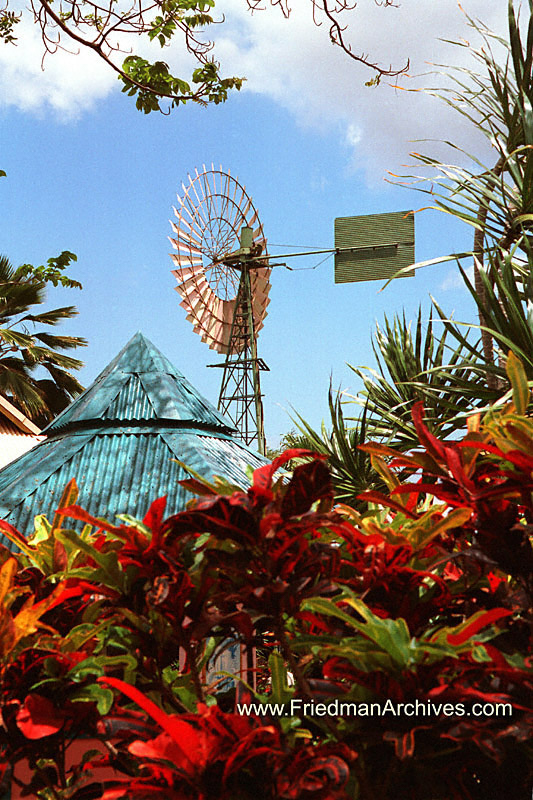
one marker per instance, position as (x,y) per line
(217,238)
(238,259)
(223,279)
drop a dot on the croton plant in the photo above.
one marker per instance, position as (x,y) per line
(375,635)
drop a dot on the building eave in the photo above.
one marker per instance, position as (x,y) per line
(18,418)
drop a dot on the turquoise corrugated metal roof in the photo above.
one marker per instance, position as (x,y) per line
(117,472)
(140,384)
(125,458)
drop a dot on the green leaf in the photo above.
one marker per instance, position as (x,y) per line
(111,572)
(78,637)
(42,529)
(391,635)
(7,574)
(94,693)
(518,380)
(98,666)
(281,692)
(420,532)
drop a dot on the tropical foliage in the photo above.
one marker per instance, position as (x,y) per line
(419,611)
(415,366)
(496,200)
(451,367)
(107,29)
(350,468)
(34,372)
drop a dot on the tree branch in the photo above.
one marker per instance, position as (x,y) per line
(336,31)
(98,49)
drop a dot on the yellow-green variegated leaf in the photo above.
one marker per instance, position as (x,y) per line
(518,379)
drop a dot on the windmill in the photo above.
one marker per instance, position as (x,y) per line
(223,273)
(223,278)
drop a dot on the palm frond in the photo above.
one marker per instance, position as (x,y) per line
(16,384)
(36,349)
(421,366)
(351,469)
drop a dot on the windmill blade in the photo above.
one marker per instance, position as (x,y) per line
(211,211)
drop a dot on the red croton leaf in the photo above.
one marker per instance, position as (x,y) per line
(263,741)
(38,717)
(197,487)
(140,789)
(15,536)
(495,581)
(323,771)
(434,447)
(382,500)
(153,520)
(223,517)
(404,743)
(186,739)
(60,595)
(523,461)
(493,743)
(454,499)
(192,742)
(462,693)
(162,747)
(79,513)
(316,772)
(477,624)
(263,476)
(309,483)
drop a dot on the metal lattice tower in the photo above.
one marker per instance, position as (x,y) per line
(240,396)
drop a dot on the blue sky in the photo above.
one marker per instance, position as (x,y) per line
(88,173)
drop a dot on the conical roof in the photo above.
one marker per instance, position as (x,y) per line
(140,384)
(121,440)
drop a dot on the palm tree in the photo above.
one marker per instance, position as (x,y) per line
(34,374)
(496,200)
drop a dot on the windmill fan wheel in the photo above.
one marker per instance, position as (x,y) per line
(211,212)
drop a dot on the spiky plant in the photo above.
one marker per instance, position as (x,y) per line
(415,365)
(351,469)
(460,371)
(495,199)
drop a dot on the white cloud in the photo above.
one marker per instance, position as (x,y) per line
(293,63)
(353,134)
(69,84)
(454,280)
